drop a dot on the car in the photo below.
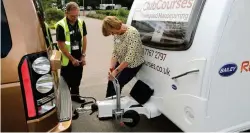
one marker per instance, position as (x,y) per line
(89,8)
(31,89)
(81,8)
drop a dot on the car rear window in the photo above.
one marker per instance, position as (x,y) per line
(167,24)
(6,42)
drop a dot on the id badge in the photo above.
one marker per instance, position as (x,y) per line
(75,46)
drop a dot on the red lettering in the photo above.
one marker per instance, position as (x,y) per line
(190,3)
(178,4)
(183,5)
(245,66)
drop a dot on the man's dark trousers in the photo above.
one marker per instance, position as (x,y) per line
(72,75)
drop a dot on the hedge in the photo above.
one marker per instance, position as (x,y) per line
(122,14)
(97,16)
(53,15)
(101,17)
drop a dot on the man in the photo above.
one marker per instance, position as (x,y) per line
(71,37)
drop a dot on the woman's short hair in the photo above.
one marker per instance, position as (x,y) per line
(110,22)
(71,6)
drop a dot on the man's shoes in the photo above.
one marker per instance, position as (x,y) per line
(77,99)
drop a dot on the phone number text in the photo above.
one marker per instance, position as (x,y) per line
(155,54)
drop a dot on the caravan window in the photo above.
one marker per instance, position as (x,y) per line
(167,24)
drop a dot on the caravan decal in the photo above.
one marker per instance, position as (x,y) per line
(228,70)
(158,68)
(165,10)
(155,54)
(245,66)
(174,87)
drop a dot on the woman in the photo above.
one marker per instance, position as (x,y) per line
(127,57)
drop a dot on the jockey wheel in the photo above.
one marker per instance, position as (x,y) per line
(131,118)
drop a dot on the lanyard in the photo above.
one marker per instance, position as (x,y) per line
(74,29)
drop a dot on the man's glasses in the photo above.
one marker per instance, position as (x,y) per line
(73,16)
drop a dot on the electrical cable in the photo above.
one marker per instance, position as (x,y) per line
(94,107)
(84,97)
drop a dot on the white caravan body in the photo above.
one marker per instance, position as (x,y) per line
(197,60)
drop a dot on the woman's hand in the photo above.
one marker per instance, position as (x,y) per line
(113,63)
(112,75)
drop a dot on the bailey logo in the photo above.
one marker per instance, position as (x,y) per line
(228,70)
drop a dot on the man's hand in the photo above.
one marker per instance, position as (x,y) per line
(75,62)
(83,61)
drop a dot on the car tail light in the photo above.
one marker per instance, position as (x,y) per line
(37,84)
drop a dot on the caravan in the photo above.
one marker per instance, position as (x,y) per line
(197,61)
